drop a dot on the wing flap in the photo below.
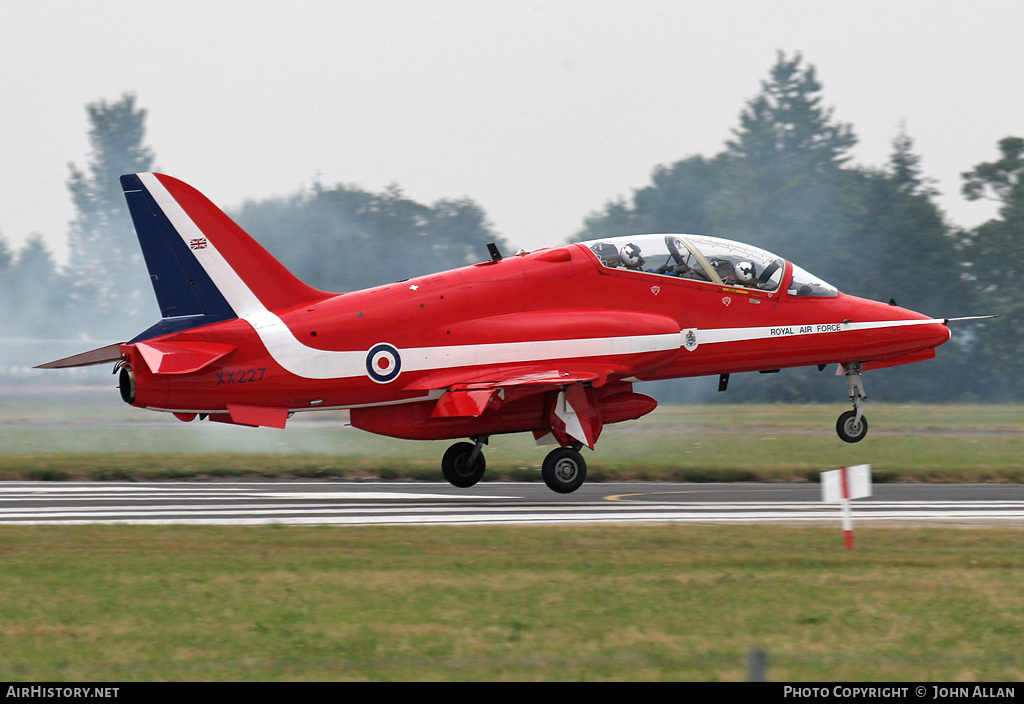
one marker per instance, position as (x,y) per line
(519,375)
(461,403)
(472,399)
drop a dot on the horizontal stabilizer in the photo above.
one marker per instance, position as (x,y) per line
(181,357)
(101,355)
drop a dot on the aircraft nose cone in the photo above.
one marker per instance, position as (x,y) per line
(942,333)
(919,332)
(899,331)
(927,335)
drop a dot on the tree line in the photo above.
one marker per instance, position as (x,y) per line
(784,182)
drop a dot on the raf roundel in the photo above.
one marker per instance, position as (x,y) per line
(383,363)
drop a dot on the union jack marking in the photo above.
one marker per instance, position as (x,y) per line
(197,243)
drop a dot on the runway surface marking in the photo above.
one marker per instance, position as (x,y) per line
(313,504)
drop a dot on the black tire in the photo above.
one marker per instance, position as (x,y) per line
(564,470)
(850,431)
(456,468)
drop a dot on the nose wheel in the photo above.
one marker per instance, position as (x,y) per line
(852,426)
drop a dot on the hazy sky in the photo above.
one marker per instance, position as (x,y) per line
(540,111)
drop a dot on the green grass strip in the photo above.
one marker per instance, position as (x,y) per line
(641,603)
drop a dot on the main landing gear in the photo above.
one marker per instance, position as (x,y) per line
(463,463)
(852,426)
(564,469)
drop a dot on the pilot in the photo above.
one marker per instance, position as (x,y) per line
(630,257)
(746,273)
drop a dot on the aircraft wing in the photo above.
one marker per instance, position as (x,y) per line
(558,349)
(571,349)
(573,414)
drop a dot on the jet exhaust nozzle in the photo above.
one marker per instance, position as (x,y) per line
(126,384)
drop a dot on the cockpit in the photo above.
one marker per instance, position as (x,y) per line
(709,259)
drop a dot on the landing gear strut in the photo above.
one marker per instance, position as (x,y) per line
(463,464)
(852,426)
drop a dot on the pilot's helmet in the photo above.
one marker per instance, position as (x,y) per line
(630,256)
(745,272)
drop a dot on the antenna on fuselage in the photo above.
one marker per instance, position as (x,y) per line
(492,249)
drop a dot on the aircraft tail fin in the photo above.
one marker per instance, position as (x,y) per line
(204,267)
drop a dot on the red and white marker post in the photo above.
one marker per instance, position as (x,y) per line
(840,486)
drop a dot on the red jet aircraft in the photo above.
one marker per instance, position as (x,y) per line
(549,342)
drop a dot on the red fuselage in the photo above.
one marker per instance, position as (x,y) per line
(553,309)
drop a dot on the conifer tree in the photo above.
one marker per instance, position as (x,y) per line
(110,286)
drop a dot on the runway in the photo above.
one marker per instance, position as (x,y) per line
(496,503)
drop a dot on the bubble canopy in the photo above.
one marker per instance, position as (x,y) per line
(709,259)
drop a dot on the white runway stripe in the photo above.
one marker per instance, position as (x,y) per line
(309,504)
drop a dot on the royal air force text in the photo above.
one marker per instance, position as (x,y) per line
(806,329)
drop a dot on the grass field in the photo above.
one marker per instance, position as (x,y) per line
(680,603)
(643,603)
(91,434)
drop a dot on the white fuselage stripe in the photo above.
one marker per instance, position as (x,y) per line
(312,363)
(712,336)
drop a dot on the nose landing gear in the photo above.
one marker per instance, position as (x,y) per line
(852,426)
